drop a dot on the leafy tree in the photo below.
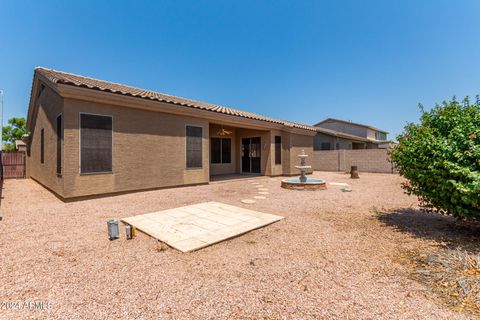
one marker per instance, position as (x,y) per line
(16,128)
(440,157)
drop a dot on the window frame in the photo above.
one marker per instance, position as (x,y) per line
(279,145)
(221,150)
(186,147)
(80,143)
(59,145)
(380,136)
(42,146)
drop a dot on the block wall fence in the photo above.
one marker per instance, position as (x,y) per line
(367,160)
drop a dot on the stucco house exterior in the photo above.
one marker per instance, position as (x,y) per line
(336,134)
(92,137)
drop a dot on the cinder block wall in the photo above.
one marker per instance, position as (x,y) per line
(367,160)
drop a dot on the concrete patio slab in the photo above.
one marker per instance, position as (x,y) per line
(200,225)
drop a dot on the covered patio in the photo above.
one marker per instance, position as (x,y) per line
(237,150)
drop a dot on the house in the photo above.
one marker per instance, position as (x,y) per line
(335,134)
(20,146)
(92,137)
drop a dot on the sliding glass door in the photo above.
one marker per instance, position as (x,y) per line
(251,158)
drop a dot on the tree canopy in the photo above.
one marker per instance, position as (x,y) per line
(15,129)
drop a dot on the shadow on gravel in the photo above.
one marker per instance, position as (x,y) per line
(453,272)
(454,234)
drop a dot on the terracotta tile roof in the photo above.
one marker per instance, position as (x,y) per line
(95,84)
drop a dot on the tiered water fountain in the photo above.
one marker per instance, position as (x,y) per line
(303,182)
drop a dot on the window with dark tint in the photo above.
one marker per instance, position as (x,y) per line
(216,150)
(59,144)
(42,146)
(221,150)
(95,143)
(380,136)
(278,150)
(325,146)
(226,150)
(194,146)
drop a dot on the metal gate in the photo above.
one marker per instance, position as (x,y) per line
(13,164)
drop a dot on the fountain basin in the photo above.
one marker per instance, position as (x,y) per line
(310,184)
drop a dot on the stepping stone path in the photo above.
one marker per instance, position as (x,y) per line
(260,189)
(339,184)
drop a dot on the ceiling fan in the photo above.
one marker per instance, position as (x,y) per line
(224,132)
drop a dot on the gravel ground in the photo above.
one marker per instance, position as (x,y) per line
(332,257)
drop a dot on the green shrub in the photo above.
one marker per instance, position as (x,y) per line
(440,158)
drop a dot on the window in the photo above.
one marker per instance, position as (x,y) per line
(194,146)
(59,144)
(325,146)
(95,143)
(380,136)
(42,146)
(221,150)
(278,150)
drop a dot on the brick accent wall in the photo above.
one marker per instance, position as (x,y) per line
(368,160)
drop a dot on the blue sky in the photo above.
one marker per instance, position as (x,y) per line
(366,61)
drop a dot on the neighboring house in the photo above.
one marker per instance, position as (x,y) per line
(91,137)
(335,134)
(20,146)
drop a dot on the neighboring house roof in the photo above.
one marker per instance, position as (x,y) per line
(344,135)
(350,122)
(59,77)
(351,136)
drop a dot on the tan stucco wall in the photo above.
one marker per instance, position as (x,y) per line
(148,151)
(349,128)
(50,105)
(371,134)
(276,169)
